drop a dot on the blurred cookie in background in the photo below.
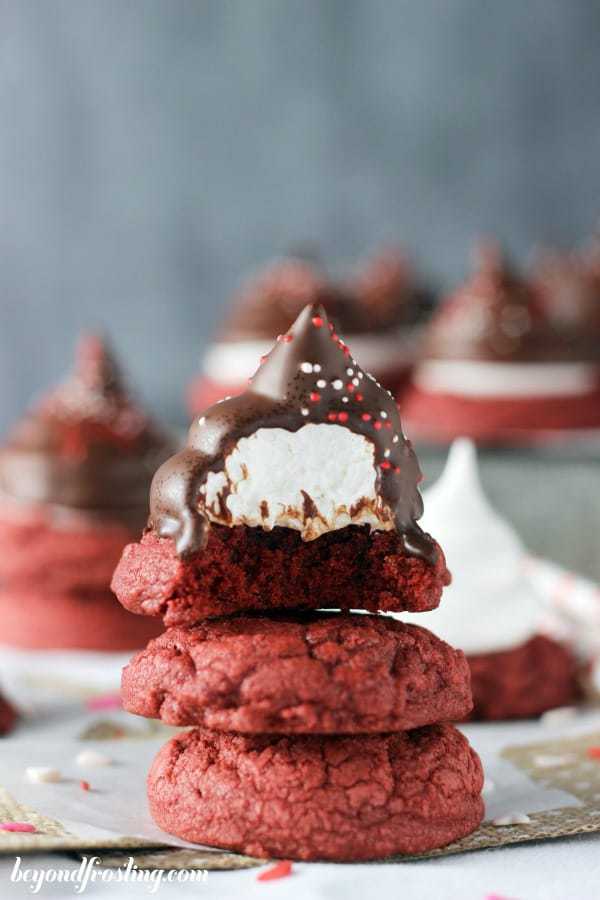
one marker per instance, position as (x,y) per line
(74,478)
(500,366)
(380,307)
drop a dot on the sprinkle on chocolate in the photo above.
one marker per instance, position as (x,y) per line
(283,395)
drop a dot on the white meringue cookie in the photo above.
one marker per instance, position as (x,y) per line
(491,604)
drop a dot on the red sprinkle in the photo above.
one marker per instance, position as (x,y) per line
(279,870)
(397,470)
(334,336)
(358,397)
(386,464)
(332,416)
(84,785)
(377,426)
(17,826)
(343,416)
(331,326)
(314,396)
(104,701)
(593,752)
(264,358)
(366,417)
(388,425)
(350,387)
(317,321)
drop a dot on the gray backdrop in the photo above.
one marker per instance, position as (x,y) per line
(152,150)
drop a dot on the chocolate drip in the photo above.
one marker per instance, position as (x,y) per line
(308,377)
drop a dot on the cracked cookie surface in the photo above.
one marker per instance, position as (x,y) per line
(312,673)
(317,797)
(244,569)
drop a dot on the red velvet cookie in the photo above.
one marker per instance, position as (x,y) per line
(245,569)
(443,417)
(524,682)
(62,551)
(311,674)
(315,797)
(8,716)
(35,618)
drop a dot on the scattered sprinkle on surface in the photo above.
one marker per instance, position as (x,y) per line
(516,818)
(279,870)
(104,701)
(17,826)
(558,716)
(42,775)
(92,759)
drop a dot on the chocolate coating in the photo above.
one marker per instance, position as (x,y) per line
(569,287)
(382,294)
(86,445)
(495,316)
(308,377)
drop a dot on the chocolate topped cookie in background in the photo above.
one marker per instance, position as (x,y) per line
(381,307)
(497,366)
(74,478)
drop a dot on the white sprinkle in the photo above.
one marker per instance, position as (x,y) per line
(304,411)
(349,371)
(386,453)
(355,382)
(316,367)
(306,367)
(321,383)
(488,786)
(338,384)
(549,762)
(92,759)
(558,716)
(383,414)
(42,774)
(361,375)
(202,420)
(517,818)
(344,399)
(395,439)
(372,377)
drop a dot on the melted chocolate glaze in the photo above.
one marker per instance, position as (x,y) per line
(308,377)
(86,445)
(495,316)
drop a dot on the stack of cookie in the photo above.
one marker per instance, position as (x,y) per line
(315,732)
